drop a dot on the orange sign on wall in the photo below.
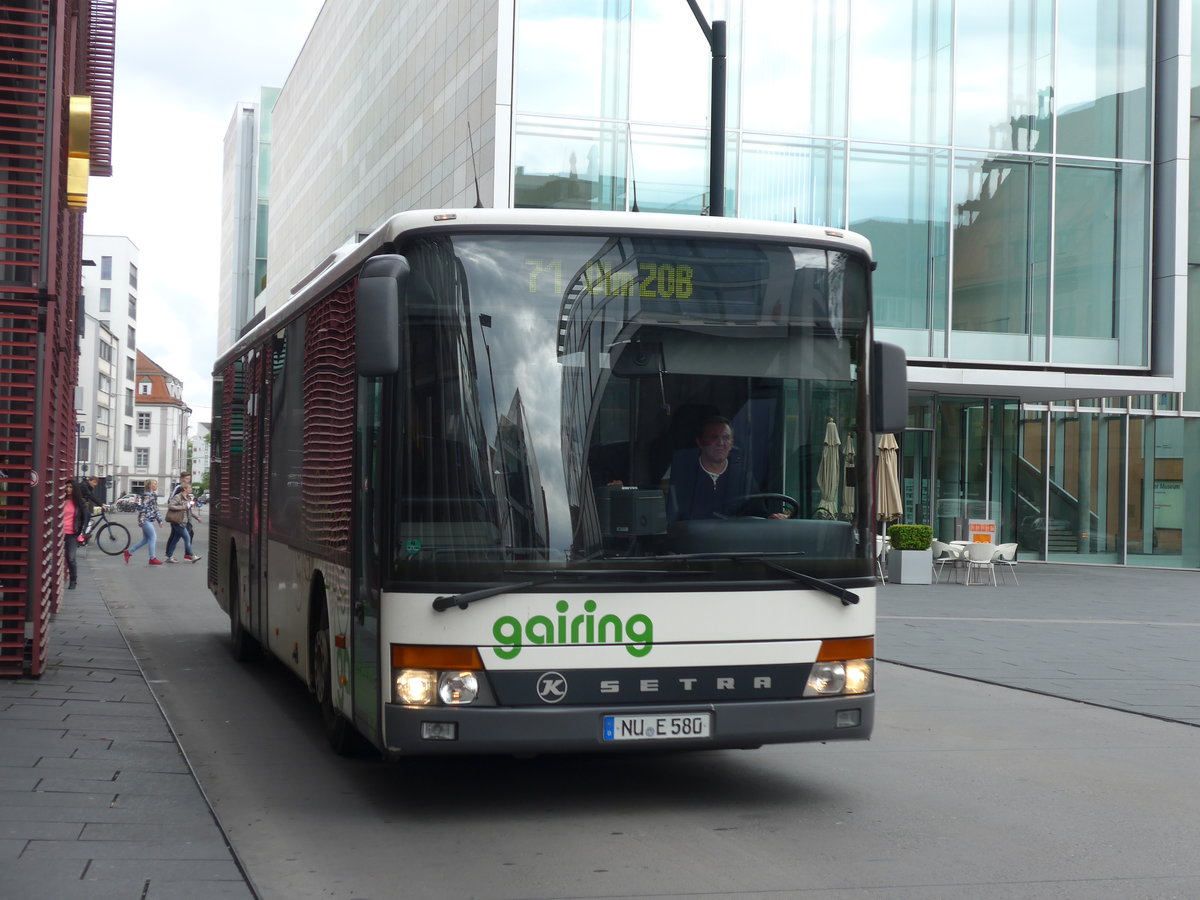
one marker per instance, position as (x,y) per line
(981,531)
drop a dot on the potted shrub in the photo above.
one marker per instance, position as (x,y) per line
(910,561)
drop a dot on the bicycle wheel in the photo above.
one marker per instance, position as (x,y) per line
(112,538)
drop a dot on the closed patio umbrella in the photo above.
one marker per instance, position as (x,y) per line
(887,480)
(829,473)
(849,492)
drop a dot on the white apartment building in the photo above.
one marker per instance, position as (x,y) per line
(160,440)
(107,363)
(201,450)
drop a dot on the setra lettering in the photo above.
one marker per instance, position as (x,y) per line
(688,684)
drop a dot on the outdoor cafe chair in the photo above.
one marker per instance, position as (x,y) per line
(979,560)
(945,553)
(1006,558)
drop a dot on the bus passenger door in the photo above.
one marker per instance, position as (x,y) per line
(257,441)
(373,484)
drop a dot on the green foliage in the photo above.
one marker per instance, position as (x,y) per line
(911,537)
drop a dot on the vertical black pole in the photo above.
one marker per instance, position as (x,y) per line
(716,161)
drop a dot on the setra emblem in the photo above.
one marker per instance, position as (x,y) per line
(551,687)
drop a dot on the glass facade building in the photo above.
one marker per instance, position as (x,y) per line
(1001,156)
(1021,168)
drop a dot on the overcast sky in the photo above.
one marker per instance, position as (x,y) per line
(181,69)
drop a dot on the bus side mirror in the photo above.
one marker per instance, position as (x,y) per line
(381,286)
(889,388)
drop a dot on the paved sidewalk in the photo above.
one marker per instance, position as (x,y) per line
(96,798)
(1125,638)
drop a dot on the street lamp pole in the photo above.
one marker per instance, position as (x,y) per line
(715,34)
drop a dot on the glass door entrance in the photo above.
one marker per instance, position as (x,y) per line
(916,476)
(974,467)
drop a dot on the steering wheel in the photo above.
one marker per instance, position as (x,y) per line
(792,503)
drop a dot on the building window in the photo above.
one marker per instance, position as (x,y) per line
(144,387)
(128,438)
(141,457)
(106,351)
(105,299)
(128,403)
(132,342)
(132,275)
(132,307)
(143,421)
(130,368)
(103,416)
(106,268)
(105,384)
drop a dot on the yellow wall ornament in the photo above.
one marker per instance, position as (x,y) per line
(79,151)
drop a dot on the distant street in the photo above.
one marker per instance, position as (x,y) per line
(967,790)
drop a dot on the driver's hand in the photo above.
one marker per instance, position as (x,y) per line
(778,516)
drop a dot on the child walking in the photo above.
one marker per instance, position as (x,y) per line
(149,518)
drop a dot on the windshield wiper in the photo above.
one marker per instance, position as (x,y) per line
(465,599)
(848,598)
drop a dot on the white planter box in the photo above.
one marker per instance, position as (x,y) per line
(910,566)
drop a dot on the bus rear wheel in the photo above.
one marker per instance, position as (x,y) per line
(337,728)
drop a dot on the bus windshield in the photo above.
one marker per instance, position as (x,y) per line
(604,400)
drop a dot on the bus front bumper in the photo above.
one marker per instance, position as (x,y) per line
(444,730)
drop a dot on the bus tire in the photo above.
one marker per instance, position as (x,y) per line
(242,644)
(338,728)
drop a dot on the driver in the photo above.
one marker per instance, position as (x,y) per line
(711,483)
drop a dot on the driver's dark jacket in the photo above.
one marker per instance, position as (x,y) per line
(693,495)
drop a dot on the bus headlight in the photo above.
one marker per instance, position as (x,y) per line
(839,677)
(416,687)
(458,688)
(427,675)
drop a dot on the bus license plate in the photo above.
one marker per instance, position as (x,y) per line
(658,728)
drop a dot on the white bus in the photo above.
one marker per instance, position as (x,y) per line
(524,481)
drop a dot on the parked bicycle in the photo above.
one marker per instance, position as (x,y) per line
(111,537)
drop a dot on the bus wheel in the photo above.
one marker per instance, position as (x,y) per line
(337,728)
(243,646)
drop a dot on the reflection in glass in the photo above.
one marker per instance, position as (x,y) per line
(1102,78)
(795,78)
(900,57)
(1001,237)
(669,167)
(1003,98)
(793,181)
(670,65)
(900,201)
(1100,248)
(555,386)
(572,58)
(565,164)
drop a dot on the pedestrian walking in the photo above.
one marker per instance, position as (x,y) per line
(149,518)
(75,516)
(180,512)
